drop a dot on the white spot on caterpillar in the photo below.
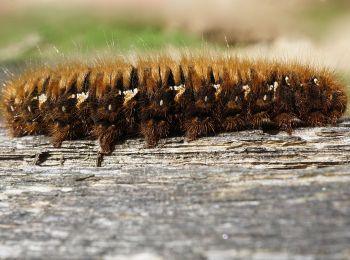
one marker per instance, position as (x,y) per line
(12,108)
(265,97)
(218,89)
(135,91)
(246,90)
(35,98)
(29,109)
(73,96)
(206,99)
(110,107)
(180,90)
(286,78)
(178,87)
(316,81)
(161,102)
(119,92)
(42,99)
(271,87)
(236,99)
(82,97)
(63,109)
(275,87)
(129,94)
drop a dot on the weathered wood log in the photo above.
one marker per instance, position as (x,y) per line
(219,197)
(305,148)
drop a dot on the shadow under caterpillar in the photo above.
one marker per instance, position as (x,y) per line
(161,97)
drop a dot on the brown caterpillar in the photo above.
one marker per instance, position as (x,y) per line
(161,97)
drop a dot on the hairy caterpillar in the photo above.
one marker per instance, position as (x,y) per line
(162,96)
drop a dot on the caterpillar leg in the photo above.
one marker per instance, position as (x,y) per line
(34,128)
(26,128)
(316,119)
(233,123)
(17,129)
(59,133)
(108,137)
(334,117)
(153,131)
(286,122)
(86,123)
(196,128)
(260,119)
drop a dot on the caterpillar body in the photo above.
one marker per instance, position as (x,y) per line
(160,97)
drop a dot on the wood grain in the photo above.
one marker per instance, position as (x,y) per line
(243,195)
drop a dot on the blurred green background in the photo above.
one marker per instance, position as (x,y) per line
(311,31)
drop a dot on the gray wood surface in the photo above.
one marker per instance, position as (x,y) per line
(243,195)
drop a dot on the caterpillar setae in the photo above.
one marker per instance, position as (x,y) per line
(161,97)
